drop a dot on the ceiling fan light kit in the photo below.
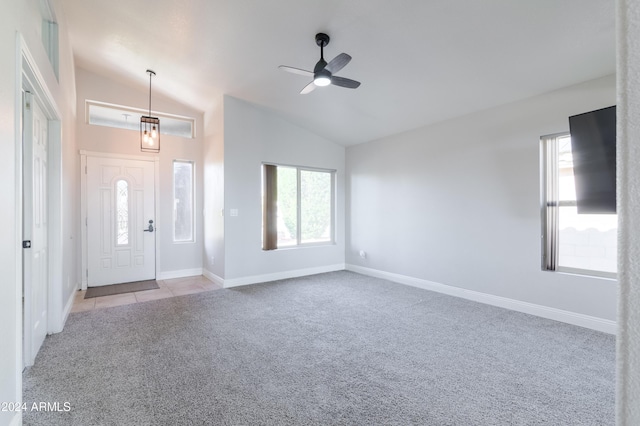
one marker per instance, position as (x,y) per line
(322,73)
(322,78)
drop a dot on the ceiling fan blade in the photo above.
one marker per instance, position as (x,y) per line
(344,82)
(308,88)
(338,63)
(296,71)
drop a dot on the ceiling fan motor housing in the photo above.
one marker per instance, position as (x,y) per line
(320,66)
(322,39)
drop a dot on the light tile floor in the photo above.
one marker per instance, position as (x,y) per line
(168,288)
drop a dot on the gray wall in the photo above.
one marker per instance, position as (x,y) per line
(458,203)
(628,44)
(253,135)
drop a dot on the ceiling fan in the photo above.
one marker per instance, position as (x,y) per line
(323,72)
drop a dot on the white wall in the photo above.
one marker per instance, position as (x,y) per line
(68,164)
(213,154)
(457,203)
(21,18)
(252,136)
(628,54)
(10,383)
(174,257)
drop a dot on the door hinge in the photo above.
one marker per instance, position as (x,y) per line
(86,221)
(87,273)
(26,244)
(85,170)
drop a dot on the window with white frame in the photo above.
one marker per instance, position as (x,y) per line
(183,209)
(123,117)
(572,242)
(49,35)
(298,206)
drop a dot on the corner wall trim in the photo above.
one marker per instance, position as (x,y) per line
(581,320)
(255,279)
(213,277)
(182,273)
(67,310)
(16,420)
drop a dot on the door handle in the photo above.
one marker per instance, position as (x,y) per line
(150,228)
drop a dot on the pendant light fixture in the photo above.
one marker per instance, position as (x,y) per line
(149,127)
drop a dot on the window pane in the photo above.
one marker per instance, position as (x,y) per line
(122,212)
(315,206)
(129,118)
(567,185)
(50,42)
(182,201)
(287,206)
(587,241)
(577,242)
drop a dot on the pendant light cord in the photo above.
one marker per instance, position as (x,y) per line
(150,74)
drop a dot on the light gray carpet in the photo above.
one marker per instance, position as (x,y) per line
(109,290)
(336,348)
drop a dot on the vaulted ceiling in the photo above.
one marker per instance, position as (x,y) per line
(419,61)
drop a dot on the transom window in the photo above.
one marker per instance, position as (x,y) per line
(49,35)
(122,117)
(298,206)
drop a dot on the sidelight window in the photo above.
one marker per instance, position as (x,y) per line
(183,201)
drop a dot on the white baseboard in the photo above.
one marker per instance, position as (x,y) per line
(255,279)
(213,277)
(67,311)
(16,420)
(182,273)
(587,321)
(57,325)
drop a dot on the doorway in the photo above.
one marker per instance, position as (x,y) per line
(119,205)
(35,255)
(39,210)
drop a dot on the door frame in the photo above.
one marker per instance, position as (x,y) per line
(29,78)
(84,208)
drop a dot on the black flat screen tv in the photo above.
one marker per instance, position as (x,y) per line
(593,145)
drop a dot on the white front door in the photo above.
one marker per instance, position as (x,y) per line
(121,235)
(35,253)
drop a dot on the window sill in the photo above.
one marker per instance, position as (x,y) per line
(304,246)
(184,242)
(609,276)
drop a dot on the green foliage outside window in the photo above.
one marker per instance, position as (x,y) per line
(315,205)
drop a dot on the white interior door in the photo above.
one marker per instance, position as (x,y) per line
(35,253)
(120,221)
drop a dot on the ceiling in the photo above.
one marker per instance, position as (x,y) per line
(419,61)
